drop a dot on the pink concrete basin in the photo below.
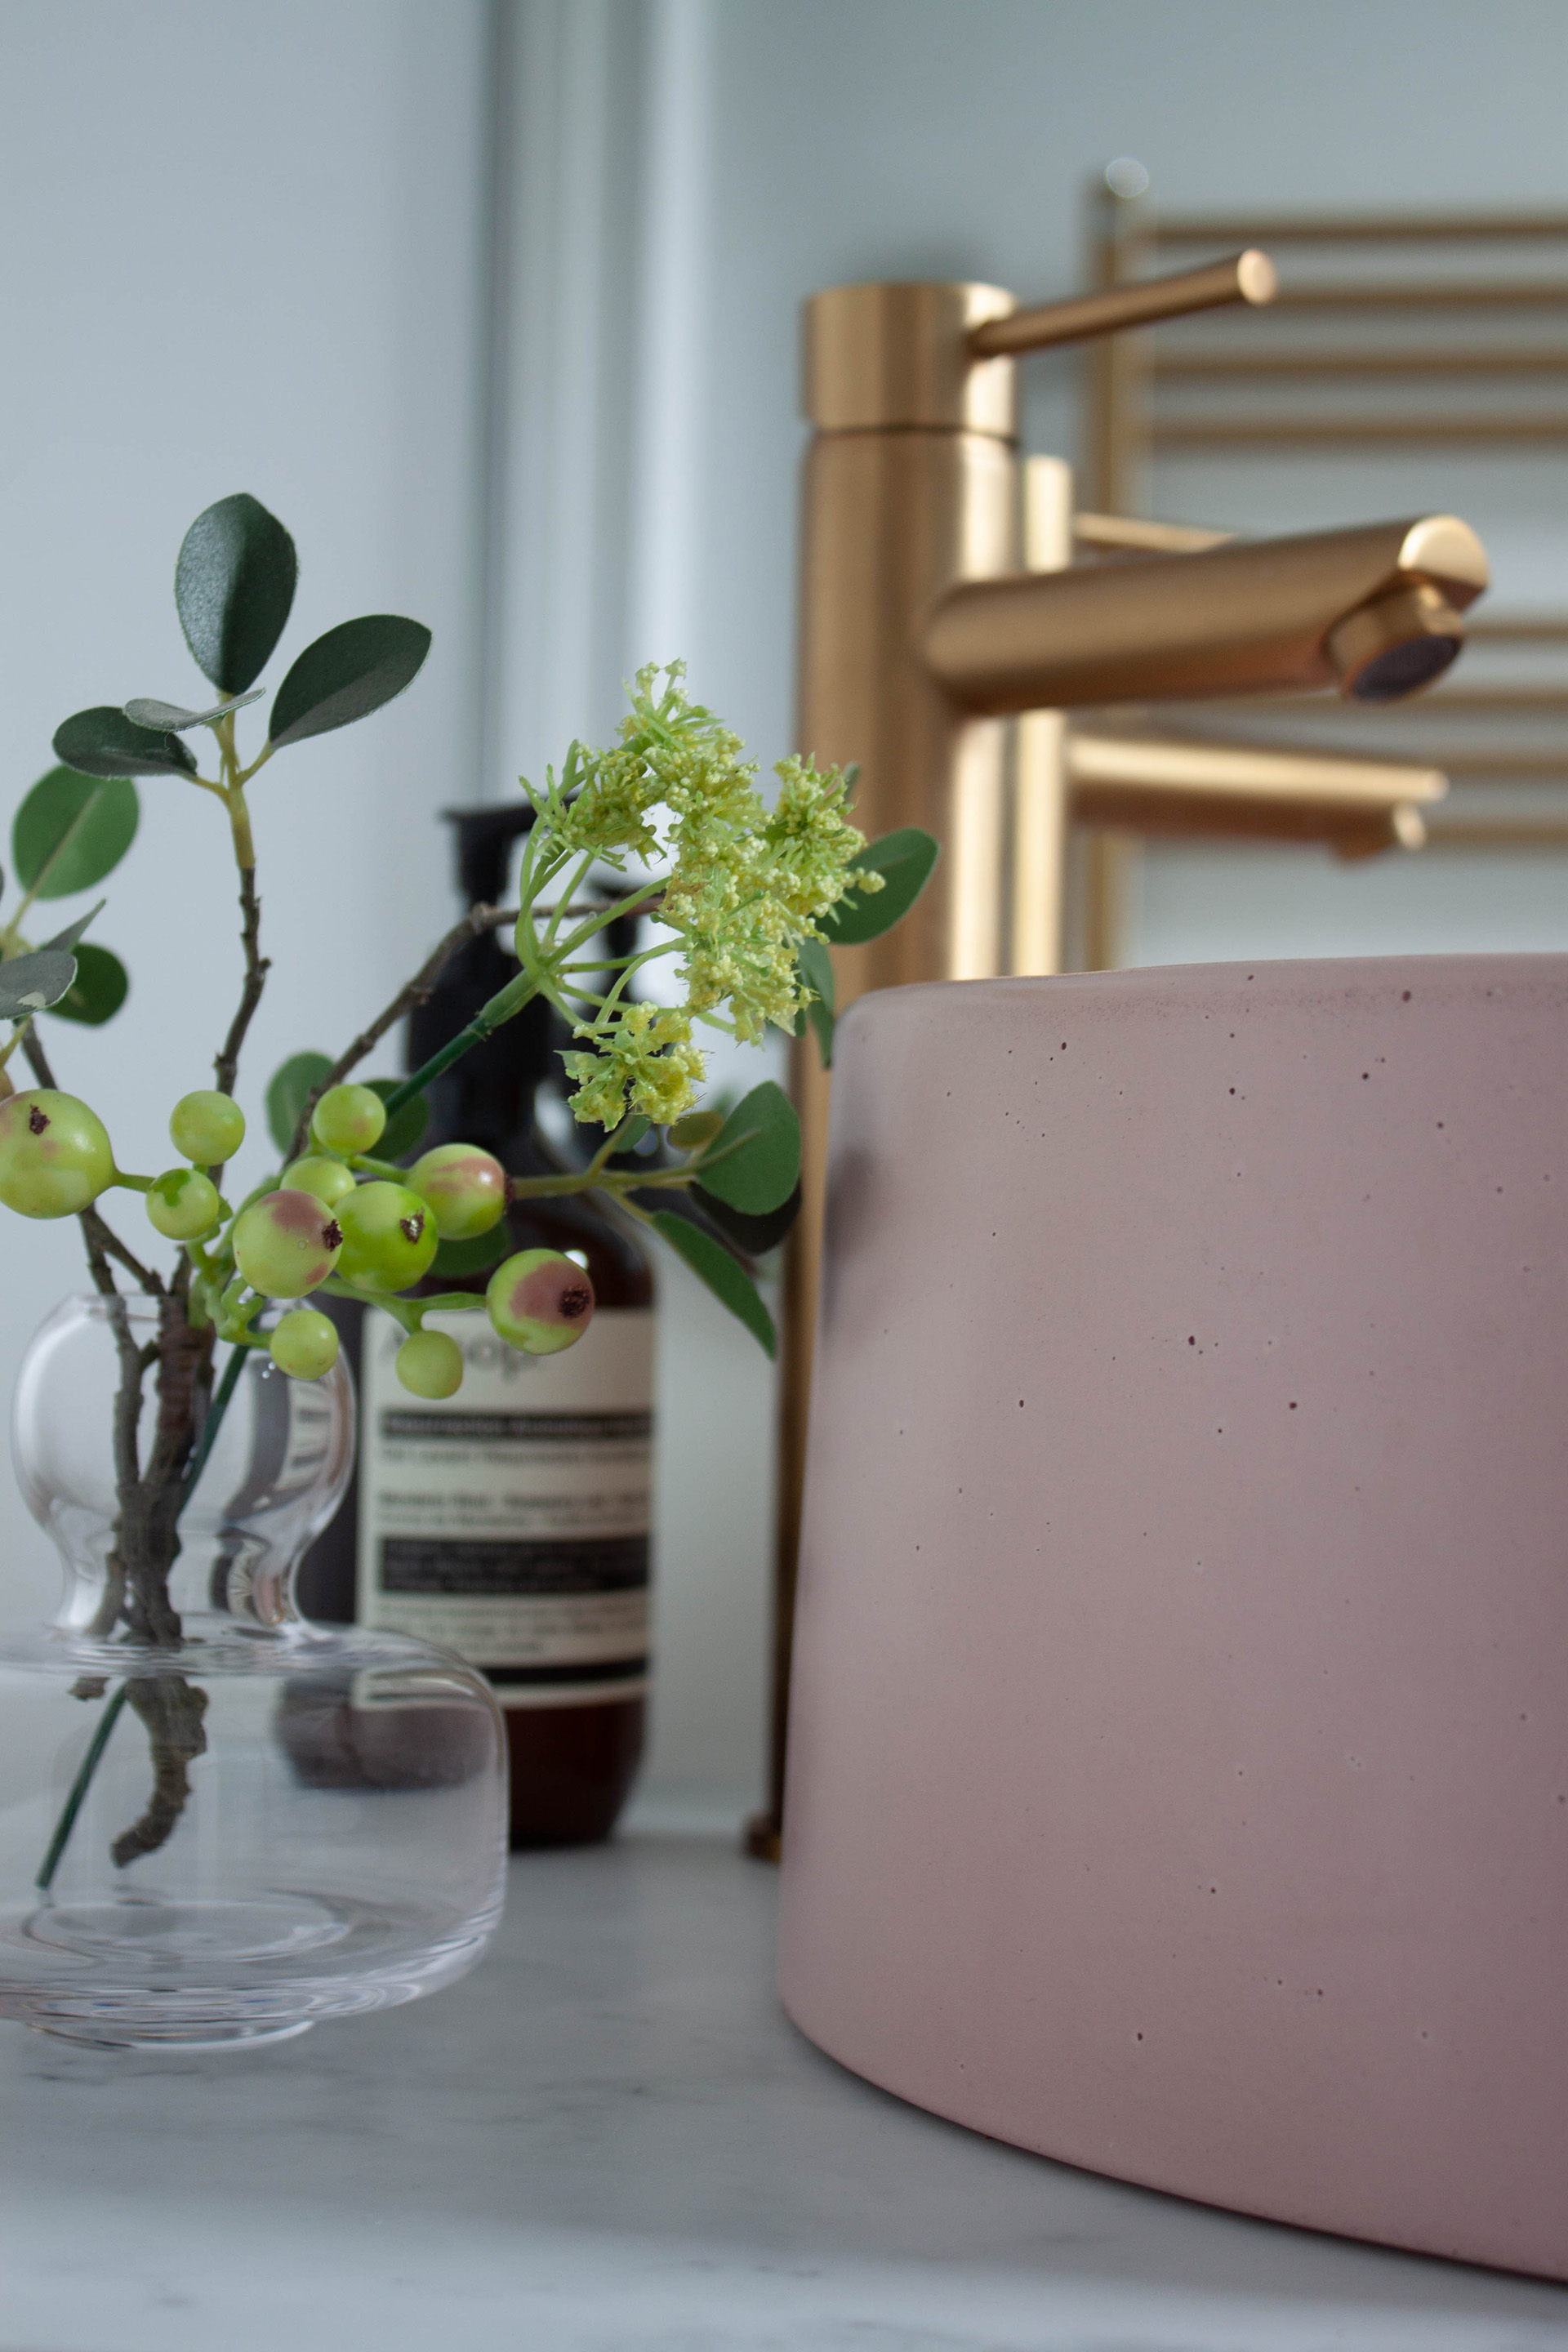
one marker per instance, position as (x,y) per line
(1179,1750)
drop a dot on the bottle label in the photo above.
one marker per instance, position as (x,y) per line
(510,1521)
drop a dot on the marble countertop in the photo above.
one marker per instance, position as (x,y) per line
(609,2139)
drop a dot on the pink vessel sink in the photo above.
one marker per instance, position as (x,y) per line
(1179,1754)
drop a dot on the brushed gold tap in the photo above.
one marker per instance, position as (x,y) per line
(920,637)
(1375,610)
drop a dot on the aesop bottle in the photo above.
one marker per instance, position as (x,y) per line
(510,1521)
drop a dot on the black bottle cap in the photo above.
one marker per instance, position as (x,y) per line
(484,839)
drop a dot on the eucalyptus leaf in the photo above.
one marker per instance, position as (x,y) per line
(98,990)
(146,711)
(906,860)
(233,588)
(71,830)
(754,1162)
(31,984)
(629,1134)
(346,675)
(103,742)
(73,932)
(815,968)
(286,1091)
(697,1127)
(713,1264)
(755,1235)
(824,1027)
(406,1129)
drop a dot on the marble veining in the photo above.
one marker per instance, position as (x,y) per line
(609,2139)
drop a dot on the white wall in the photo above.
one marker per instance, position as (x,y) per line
(248,245)
(241,251)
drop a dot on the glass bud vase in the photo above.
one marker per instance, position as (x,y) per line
(218,1822)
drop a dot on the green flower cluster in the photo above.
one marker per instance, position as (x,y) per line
(746,888)
(642,1053)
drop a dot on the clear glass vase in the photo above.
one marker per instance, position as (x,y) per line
(217,1821)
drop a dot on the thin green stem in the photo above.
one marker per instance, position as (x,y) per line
(223,1397)
(632,904)
(616,1181)
(501,1007)
(417,991)
(409,1312)
(614,963)
(558,912)
(78,1788)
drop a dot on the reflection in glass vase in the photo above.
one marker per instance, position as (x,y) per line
(218,1822)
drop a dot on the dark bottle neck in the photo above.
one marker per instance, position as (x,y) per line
(488,1097)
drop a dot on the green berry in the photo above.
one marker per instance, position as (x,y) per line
(183,1205)
(55,1157)
(540,1301)
(305,1343)
(329,1180)
(207,1126)
(349,1118)
(467,1188)
(285,1244)
(389,1237)
(429,1364)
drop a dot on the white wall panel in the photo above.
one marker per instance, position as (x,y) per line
(239,249)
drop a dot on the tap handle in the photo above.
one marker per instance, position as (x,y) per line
(1247,276)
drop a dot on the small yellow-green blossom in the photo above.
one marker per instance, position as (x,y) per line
(646,1052)
(746,886)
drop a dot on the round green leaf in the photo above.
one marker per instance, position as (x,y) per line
(754,1162)
(755,1235)
(816,970)
(72,830)
(713,1263)
(103,742)
(815,967)
(233,588)
(287,1092)
(98,989)
(698,1127)
(73,932)
(905,860)
(405,1129)
(473,1256)
(347,674)
(31,984)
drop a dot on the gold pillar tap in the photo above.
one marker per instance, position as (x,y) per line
(919,637)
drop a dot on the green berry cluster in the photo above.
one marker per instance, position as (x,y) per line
(335,1220)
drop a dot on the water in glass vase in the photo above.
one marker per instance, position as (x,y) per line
(176,1866)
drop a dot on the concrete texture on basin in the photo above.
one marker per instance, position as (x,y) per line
(1179,1775)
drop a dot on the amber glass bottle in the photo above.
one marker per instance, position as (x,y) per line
(510,1521)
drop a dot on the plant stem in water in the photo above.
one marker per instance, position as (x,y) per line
(80,1786)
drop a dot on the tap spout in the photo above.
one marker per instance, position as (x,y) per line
(1375,610)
